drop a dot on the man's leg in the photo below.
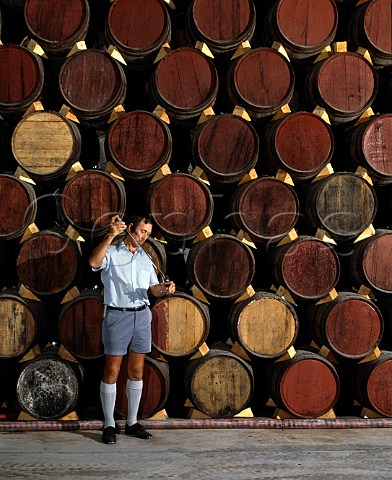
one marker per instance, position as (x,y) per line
(134,389)
(134,384)
(108,395)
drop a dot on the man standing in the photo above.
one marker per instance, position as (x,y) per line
(127,274)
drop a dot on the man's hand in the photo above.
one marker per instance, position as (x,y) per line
(116,226)
(98,254)
(161,289)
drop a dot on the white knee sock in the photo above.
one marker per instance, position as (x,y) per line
(134,393)
(108,400)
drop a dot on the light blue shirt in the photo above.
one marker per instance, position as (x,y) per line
(126,276)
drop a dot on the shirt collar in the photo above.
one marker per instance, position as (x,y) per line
(122,245)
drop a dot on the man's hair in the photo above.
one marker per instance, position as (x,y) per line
(136,219)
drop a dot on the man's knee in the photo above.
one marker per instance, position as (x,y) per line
(135,366)
(112,369)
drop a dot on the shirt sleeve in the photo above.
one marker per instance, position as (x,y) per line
(105,262)
(153,277)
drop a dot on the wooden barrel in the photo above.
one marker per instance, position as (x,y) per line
(369,145)
(138,31)
(300,143)
(371,262)
(80,325)
(180,205)
(372,384)
(343,204)
(220,384)
(221,266)
(370,28)
(22,323)
(156,386)
(139,143)
(81,78)
(223,26)
(90,199)
(180,325)
(5,135)
(344,84)
(18,206)
(351,325)
(21,80)
(265,325)
(57,25)
(46,144)
(307,386)
(266,208)
(303,27)
(225,147)
(157,252)
(48,262)
(184,83)
(49,387)
(294,267)
(261,81)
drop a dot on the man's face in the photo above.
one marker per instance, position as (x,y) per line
(142,232)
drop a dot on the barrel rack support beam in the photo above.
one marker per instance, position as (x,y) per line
(225,423)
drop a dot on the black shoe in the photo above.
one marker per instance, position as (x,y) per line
(109,435)
(137,430)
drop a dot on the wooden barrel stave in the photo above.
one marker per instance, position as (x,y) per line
(226,148)
(371,262)
(46,144)
(139,144)
(22,323)
(184,83)
(306,386)
(21,80)
(307,267)
(80,325)
(181,206)
(81,78)
(138,37)
(156,386)
(300,143)
(90,199)
(57,25)
(49,262)
(266,208)
(221,266)
(369,145)
(261,81)
(18,208)
(370,28)
(220,384)
(222,26)
(343,204)
(265,325)
(303,27)
(180,325)
(351,326)
(372,384)
(331,82)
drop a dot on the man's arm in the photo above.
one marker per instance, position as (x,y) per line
(98,254)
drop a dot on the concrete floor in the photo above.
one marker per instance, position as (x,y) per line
(187,454)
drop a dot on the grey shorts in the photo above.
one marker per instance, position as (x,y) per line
(124,332)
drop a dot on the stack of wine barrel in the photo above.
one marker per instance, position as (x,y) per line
(257,136)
